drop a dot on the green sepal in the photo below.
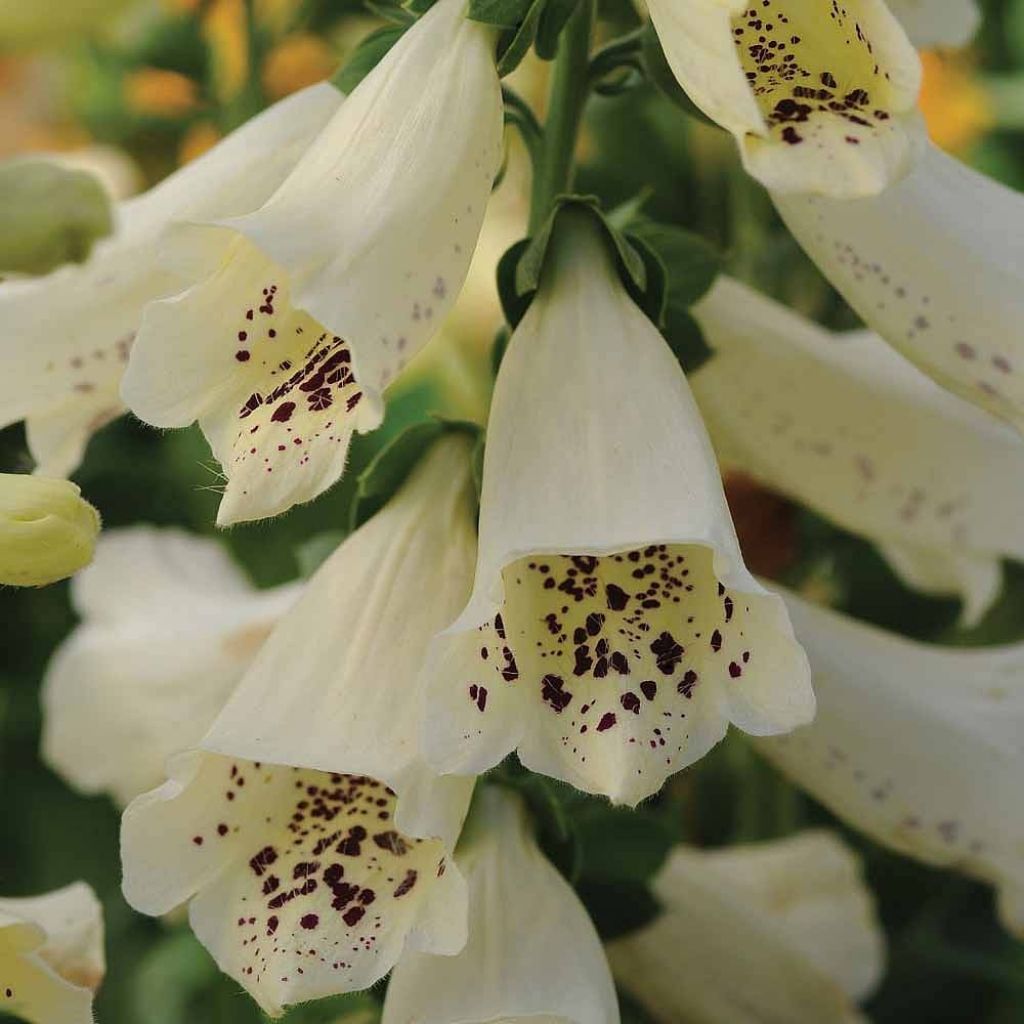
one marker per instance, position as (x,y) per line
(691,263)
(391,466)
(657,70)
(618,908)
(685,338)
(499,13)
(368,54)
(514,43)
(552,20)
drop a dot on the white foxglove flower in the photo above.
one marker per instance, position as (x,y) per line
(317,300)
(934,266)
(770,932)
(820,101)
(937,22)
(532,955)
(919,746)
(845,425)
(613,632)
(308,874)
(169,624)
(67,336)
(51,956)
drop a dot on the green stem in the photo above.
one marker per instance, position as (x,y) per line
(570,86)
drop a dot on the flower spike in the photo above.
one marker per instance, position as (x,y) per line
(613,631)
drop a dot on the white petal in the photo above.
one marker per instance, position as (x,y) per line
(300,887)
(937,22)
(772,933)
(934,266)
(352,263)
(51,955)
(532,956)
(613,630)
(169,626)
(817,104)
(815,415)
(336,686)
(67,335)
(918,746)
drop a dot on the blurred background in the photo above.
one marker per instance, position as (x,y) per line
(133,90)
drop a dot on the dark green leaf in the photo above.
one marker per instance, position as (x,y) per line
(502,13)
(685,338)
(691,264)
(618,908)
(553,19)
(370,52)
(619,845)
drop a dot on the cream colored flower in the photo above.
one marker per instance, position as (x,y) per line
(51,956)
(311,305)
(846,426)
(934,266)
(67,336)
(819,100)
(613,632)
(169,625)
(769,933)
(937,22)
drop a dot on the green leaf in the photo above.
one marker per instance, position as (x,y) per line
(685,338)
(312,553)
(368,54)
(691,263)
(419,6)
(515,43)
(552,20)
(618,908)
(502,13)
(619,845)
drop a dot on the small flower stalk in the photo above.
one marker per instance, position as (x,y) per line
(314,303)
(613,632)
(819,102)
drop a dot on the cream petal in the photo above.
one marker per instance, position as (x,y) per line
(299,885)
(933,265)
(67,335)
(613,646)
(51,955)
(336,685)
(814,415)
(817,104)
(169,625)
(532,955)
(918,746)
(774,932)
(937,22)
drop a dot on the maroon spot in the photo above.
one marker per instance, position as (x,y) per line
(686,685)
(716,641)
(553,693)
(272,924)
(309,921)
(607,721)
(630,702)
(735,671)
(392,842)
(649,688)
(353,915)
(242,356)
(617,597)
(406,884)
(198,840)
(283,413)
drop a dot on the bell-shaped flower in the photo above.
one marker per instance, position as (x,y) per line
(47,530)
(819,100)
(613,632)
(311,840)
(934,265)
(51,956)
(846,426)
(67,336)
(317,300)
(532,955)
(169,625)
(937,22)
(919,746)
(772,932)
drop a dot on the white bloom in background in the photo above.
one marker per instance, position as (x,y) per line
(315,302)
(169,624)
(937,22)
(819,100)
(51,955)
(934,265)
(308,874)
(771,933)
(918,746)
(532,955)
(613,632)
(844,425)
(67,335)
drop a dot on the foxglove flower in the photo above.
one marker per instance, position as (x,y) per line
(937,22)
(500,975)
(311,841)
(918,746)
(816,416)
(613,631)
(934,266)
(51,956)
(47,530)
(67,336)
(169,625)
(783,930)
(316,301)
(820,101)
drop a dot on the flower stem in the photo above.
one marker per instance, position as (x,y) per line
(570,86)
